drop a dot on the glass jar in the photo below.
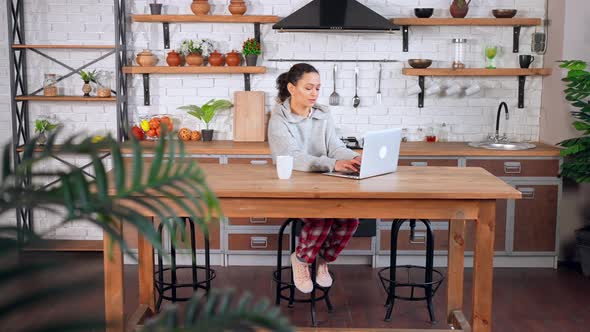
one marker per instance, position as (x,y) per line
(443,133)
(50,88)
(103,84)
(430,136)
(419,135)
(459,53)
(404,135)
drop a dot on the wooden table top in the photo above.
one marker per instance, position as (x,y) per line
(248,181)
(408,149)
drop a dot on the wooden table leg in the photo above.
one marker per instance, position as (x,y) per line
(146,273)
(483,267)
(114,299)
(456,267)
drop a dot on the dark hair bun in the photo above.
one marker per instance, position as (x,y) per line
(292,76)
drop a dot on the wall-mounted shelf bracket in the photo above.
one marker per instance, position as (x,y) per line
(257,32)
(405,32)
(246,82)
(515,42)
(146,89)
(421,94)
(521,81)
(166,29)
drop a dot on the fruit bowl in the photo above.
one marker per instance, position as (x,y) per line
(151,127)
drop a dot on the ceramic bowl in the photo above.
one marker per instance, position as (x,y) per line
(423,12)
(420,63)
(504,13)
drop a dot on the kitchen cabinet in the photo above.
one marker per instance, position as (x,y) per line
(428,162)
(256,242)
(535,219)
(518,167)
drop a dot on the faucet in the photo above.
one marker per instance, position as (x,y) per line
(497,134)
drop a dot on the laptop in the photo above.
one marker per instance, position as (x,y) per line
(380,155)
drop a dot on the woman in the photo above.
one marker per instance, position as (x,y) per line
(305,130)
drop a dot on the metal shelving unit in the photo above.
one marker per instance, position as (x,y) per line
(21,96)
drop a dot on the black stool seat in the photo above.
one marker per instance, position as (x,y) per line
(429,284)
(284,285)
(163,287)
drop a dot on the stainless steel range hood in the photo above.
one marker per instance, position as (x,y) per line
(335,16)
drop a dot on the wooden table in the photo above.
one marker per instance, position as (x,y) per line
(448,193)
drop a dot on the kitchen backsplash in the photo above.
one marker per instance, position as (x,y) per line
(468,118)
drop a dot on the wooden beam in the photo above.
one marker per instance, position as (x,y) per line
(66,245)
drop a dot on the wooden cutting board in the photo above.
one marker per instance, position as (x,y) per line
(249,116)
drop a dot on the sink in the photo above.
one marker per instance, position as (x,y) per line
(502,145)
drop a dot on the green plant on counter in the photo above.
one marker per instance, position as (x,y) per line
(189,46)
(103,201)
(251,47)
(88,76)
(206,112)
(577,150)
(44,126)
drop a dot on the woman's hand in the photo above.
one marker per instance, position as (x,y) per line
(352,165)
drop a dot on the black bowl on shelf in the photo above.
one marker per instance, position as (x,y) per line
(420,63)
(504,13)
(423,12)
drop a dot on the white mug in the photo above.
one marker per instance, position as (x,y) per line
(453,90)
(472,89)
(433,90)
(284,167)
(413,90)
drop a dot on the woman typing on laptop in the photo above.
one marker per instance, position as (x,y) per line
(305,130)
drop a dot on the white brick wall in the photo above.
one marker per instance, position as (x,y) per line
(469,118)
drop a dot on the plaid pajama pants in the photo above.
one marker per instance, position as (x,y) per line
(324,236)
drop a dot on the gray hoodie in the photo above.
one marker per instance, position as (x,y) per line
(312,141)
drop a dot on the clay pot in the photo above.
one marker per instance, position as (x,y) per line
(86,88)
(146,58)
(194,59)
(200,7)
(216,59)
(237,7)
(459,11)
(173,59)
(233,59)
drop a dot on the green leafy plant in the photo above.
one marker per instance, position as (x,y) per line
(189,46)
(577,150)
(251,47)
(43,126)
(88,76)
(206,112)
(462,3)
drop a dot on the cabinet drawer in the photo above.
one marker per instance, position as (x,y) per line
(516,167)
(207,160)
(441,240)
(256,221)
(428,162)
(252,161)
(257,242)
(359,243)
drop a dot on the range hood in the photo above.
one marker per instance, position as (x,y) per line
(335,16)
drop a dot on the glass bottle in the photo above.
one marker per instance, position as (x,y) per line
(459,53)
(50,88)
(443,134)
(103,84)
(419,135)
(404,135)
(430,136)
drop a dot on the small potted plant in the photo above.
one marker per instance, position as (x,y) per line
(206,113)
(251,50)
(207,47)
(192,51)
(155,8)
(42,127)
(87,77)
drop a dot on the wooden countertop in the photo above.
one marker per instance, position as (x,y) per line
(410,149)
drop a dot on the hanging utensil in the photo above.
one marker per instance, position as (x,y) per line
(379,89)
(335,97)
(356,101)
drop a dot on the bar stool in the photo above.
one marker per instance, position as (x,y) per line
(162,287)
(284,285)
(432,278)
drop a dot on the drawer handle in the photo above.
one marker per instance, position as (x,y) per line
(254,220)
(258,162)
(419,163)
(512,167)
(258,242)
(418,238)
(527,193)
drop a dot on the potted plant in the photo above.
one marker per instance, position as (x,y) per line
(206,113)
(251,50)
(155,8)
(192,51)
(87,77)
(576,164)
(42,128)
(207,47)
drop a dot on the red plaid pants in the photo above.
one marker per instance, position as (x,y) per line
(324,236)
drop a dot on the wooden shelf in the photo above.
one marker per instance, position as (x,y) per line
(194,70)
(64,98)
(206,18)
(80,47)
(485,21)
(476,72)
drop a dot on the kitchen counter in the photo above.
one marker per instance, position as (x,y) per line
(407,149)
